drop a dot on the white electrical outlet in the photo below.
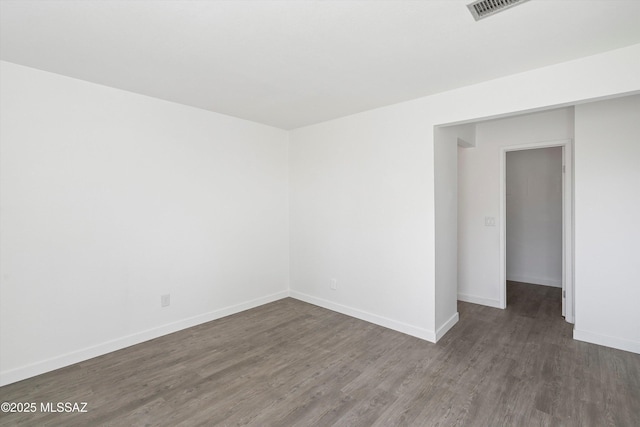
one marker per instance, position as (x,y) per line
(165,300)
(489,221)
(333,284)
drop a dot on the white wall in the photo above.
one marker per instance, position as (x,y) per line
(607,232)
(110,199)
(534,216)
(362,194)
(359,214)
(446,227)
(479,196)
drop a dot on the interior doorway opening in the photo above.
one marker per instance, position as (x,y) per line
(537,218)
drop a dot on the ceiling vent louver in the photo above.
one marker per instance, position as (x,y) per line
(483,8)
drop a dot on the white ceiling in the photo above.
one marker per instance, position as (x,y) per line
(294,63)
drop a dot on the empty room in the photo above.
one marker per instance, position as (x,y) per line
(319,212)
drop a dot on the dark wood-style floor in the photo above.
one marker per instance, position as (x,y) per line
(290,363)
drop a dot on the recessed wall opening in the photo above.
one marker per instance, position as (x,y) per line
(483,197)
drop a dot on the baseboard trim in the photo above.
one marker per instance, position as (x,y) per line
(28,371)
(447,325)
(536,281)
(479,300)
(405,328)
(607,341)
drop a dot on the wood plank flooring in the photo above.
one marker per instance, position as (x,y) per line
(289,363)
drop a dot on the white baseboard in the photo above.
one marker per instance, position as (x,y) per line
(443,329)
(18,374)
(556,283)
(607,341)
(479,300)
(405,328)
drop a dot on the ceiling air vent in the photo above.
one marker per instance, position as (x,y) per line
(483,8)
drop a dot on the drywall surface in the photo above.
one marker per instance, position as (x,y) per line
(534,216)
(479,196)
(607,232)
(359,215)
(446,226)
(110,200)
(362,199)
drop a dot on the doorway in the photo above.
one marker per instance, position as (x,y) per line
(537,218)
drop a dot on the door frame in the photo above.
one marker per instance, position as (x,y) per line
(568,290)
